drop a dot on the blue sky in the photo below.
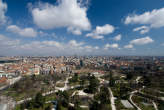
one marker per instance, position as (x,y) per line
(81,27)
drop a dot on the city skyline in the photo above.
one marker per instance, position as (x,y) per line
(81,27)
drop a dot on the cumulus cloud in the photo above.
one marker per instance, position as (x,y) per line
(26,32)
(71,47)
(74,31)
(94,36)
(118,37)
(6,43)
(106,29)
(139,41)
(129,46)
(74,43)
(154,18)
(142,29)
(142,41)
(68,13)
(3,9)
(107,46)
(46,47)
(100,31)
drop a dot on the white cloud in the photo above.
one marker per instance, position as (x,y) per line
(103,30)
(71,47)
(74,31)
(129,46)
(3,9)
(94,36)
(68,13)
(139,41)
(6,43)
(96,47)
(100,31)
(142,41)
(154,18)
(142,29)
(74,43)
(26,32)
(107,46)
(118,37)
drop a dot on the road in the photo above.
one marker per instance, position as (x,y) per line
(155,106)
(137,79)
(133,92)
(65,85)
(112,98)
(6,102)
(10,82)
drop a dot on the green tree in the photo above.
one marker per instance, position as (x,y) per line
(147,81)
(64,98)
(93,84)
(129,76)
(104,95)
(76,102)
(111,80)
(48,108)
(39,100)
(101,100)
(94,105)
(82,82)
(74,78)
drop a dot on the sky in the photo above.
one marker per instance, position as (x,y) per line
(81,27)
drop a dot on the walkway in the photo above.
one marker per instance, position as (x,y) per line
(112,98)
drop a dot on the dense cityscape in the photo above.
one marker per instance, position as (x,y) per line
(82,83)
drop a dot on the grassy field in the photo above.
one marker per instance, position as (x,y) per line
(139,101)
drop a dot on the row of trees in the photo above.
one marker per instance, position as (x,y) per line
(37,102)
(101,100)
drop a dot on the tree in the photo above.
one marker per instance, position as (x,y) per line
(82,82)
(94,105)
(64,98)
(129,76)
(39,100)
(74,78)
(147,81)
(93,84)
(104,95)
(22,106)
(59,105)
(76,102)
(111,80)
(48,108)
(101,100)
(161,106)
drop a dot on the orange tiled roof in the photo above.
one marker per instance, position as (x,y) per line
(3,79)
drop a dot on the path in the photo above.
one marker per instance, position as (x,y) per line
(155,106)
(132,93)
(10,82)
(138,78)
(50,92)
(112,98)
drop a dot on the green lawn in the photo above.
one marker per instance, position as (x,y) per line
(138,100)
